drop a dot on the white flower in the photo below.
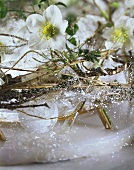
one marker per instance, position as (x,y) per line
(120,35)
(48,31)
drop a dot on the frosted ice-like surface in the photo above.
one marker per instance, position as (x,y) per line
(8,116)
(119,77)
(34,124)
(87,138)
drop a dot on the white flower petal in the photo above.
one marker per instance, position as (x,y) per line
(61,42)
(112,45)
(121,22)
(36,43)
(44,44)
(129,44)
(58,42)
(63,25)
(33,40)
(129,25)
(53,14)
(107,33)
(118,13)
(132,41)
(35,22)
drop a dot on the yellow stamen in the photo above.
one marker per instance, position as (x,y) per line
(119,35)
(48,31)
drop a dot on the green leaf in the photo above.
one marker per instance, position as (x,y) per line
(91,56)
(85,51)
(65,77)
(3,9)
(34,2)
(45,1)
(39,5)
(71,18)
(73,41)
(96,53)
(75,28)
(87,81)
(69,31)
(109,24)
(61,3)
(72,30)
(22,15)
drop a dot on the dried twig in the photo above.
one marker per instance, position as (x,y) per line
(2,136)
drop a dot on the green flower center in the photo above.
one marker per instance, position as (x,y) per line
(119,35)
(48,31)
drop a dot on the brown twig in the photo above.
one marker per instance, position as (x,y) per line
(2,136)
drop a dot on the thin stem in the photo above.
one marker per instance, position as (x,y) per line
(14,46)
(13,36)
(30,51)
(29,12)
(78,109)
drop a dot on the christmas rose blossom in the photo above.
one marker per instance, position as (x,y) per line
(48,31)
(120,35)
